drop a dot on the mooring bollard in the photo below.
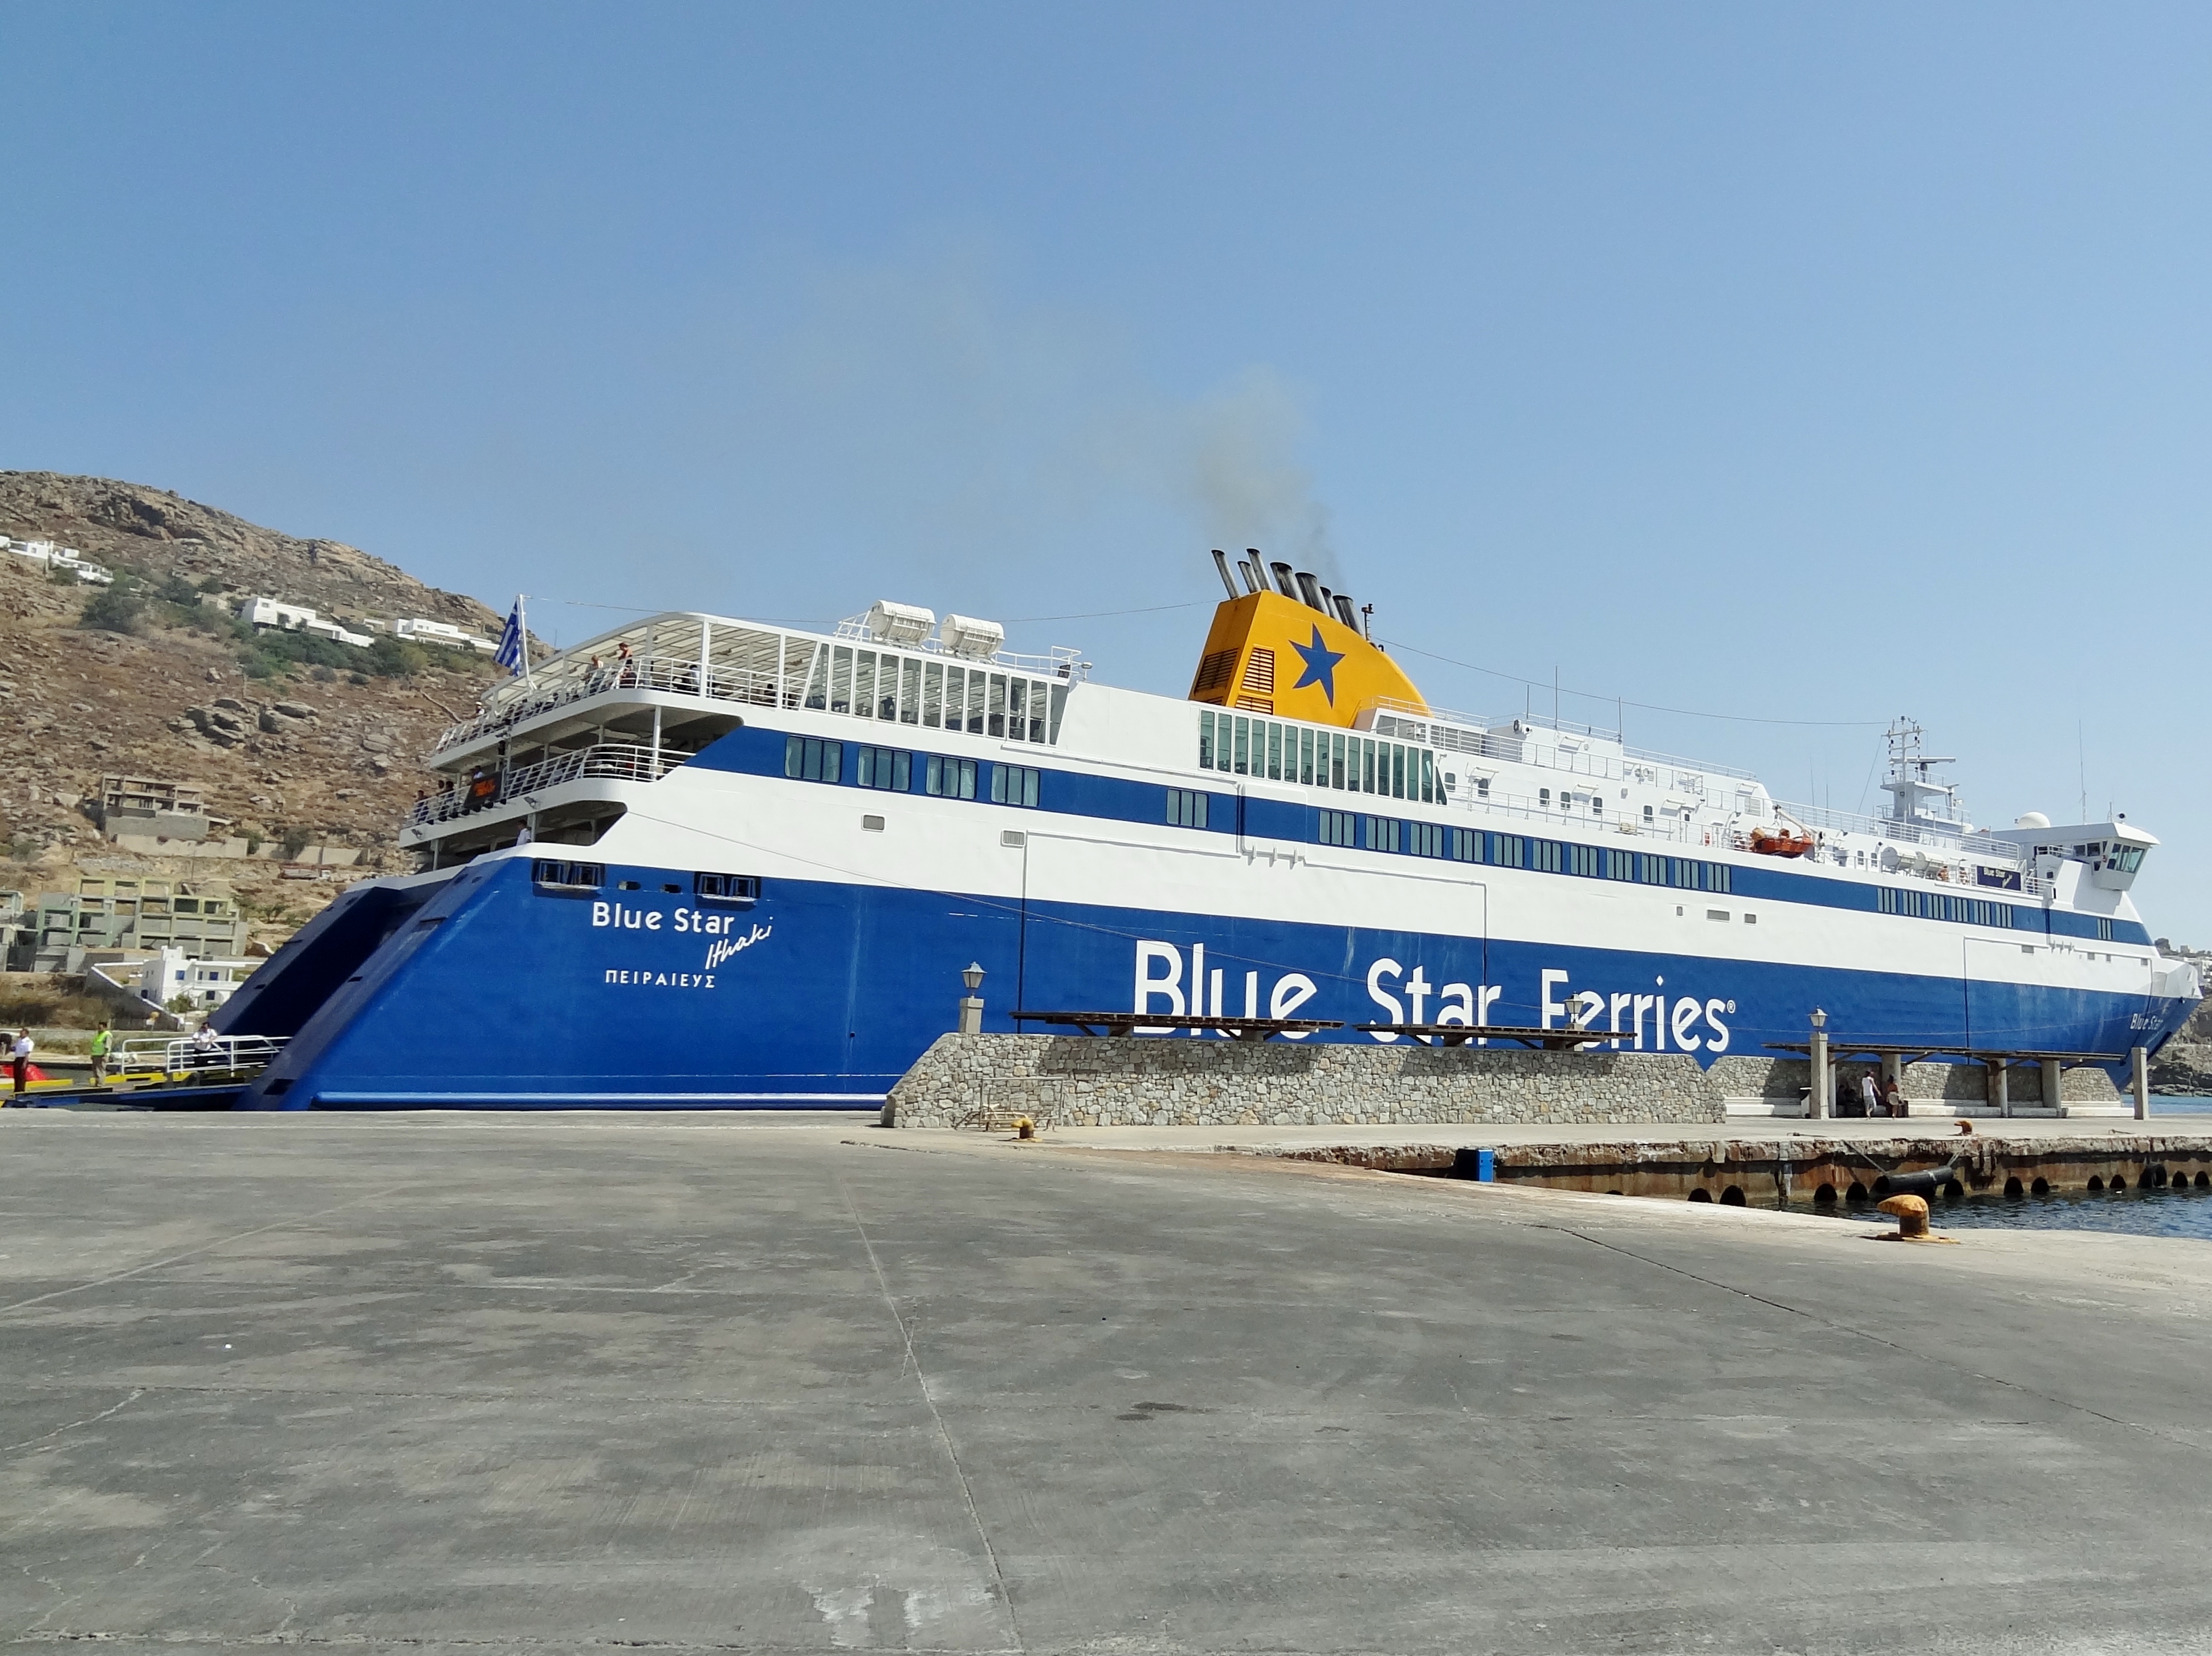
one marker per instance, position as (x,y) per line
(1911,1213)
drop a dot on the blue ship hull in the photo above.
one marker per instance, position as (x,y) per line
(481,989)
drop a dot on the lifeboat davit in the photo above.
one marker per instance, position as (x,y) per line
(1771,843)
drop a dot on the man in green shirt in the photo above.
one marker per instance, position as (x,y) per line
(103,1042)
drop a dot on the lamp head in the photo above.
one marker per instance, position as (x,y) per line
(1820,1018)
(973,977)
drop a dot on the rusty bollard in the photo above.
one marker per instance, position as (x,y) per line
(1025,1128)
(1912,1214)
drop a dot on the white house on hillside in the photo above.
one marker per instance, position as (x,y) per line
(59,558)
(268,614)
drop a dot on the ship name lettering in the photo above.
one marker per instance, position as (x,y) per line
(623,917)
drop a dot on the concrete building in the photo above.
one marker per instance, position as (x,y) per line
(170,972)
(151,807)
(443,634)
(270,615)
(56,557)
(124,915)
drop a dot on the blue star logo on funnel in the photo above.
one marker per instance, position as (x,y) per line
(1321,665)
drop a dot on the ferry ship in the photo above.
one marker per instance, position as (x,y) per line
(700,862)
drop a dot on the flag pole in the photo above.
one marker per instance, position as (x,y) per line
(522,637)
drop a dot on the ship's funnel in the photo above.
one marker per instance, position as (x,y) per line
(1270,652)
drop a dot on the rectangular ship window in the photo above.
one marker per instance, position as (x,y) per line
(1467,844)
(950,779)
(810,759)
(1382,834)
(568,877)
(1508,851)
(1014,785)
(1426,839)
(1186,808)
(891,768)
(1547,855)
(726,890)
(932,695)
(1339,828)
(1206,741)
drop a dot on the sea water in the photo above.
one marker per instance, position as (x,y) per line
(2175,1211)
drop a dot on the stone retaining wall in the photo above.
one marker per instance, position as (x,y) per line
(1138,1081)
(1952,1085)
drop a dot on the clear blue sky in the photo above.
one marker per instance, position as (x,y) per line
(1763,360)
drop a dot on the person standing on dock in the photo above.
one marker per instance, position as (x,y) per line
(1870,1090)
(103,1043)
(19,1061)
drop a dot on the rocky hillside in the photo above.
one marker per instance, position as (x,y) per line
(288,751)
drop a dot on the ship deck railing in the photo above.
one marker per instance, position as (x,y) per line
(1968,841)
(160,1058)
(672,675)
(623,761)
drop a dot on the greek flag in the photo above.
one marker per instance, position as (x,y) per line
(513,650)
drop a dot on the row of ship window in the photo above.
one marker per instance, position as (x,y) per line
(935,695)
(1966,911)
(1354,831)
(1343,760)
(892,770)
(725,890)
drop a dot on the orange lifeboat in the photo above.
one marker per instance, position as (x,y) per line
(1783,844)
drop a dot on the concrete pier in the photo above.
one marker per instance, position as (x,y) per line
(536,1384)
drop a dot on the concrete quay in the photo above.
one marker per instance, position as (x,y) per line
(1817,1165)
(554,1383)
